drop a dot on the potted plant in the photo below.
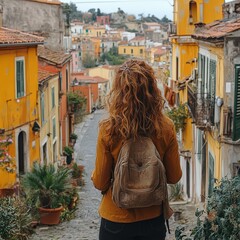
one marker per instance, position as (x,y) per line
(46,186)
(73,137)
(68,151)
(77,173)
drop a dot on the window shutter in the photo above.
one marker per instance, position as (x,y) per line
(212,88)
(42,108)
(236,116)
(20,78)
(53,97)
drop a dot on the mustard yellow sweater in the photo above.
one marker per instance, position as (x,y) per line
(106,158)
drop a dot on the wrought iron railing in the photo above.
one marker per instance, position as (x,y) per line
(201,106)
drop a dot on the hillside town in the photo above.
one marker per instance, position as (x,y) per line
(60,64)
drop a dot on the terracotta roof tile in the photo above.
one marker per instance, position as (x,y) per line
(57,2)
(217,29)
(55,57)
(88,79)
(44,75)
(16,37)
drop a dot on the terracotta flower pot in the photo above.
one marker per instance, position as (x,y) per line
(7,192)
(50,216)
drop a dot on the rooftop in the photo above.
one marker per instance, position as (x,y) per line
(87,79)
(56,2)
(217,30)
(16,37)
(44,74)
(54,57)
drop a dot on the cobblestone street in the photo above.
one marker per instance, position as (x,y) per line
(85,225)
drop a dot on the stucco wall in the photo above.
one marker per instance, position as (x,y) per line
(230,153)
(35,17)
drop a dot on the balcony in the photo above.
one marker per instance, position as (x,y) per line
(202,108)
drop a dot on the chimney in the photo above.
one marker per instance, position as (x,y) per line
(1,15)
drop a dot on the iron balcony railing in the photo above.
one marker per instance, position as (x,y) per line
(201,106)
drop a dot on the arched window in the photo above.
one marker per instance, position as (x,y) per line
(192,12)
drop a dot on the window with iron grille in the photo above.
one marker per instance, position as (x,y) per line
(207,71)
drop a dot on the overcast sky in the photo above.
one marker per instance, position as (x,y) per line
(159,8)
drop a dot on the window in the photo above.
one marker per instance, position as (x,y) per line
(131,51)
(124,50)
(44,150)
(210,174)
(67,79)
(236,114)
(141,51)
(55,152)
(54,128)
(20,77)
(192,12)
(207,67)
(60,81)
(53,97)
(42,108)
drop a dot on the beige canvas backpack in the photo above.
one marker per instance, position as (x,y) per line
(139,177)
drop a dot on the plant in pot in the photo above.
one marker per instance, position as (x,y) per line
(77,175)
(68,151)
(73,137)
(46,186)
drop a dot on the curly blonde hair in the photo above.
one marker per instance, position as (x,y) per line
(134,103)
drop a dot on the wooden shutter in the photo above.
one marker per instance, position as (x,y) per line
(20,78)
(236,115)
(212,88)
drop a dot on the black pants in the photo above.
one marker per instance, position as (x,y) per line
(153,229)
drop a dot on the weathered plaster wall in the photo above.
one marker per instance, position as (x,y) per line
(35,17)
(230,153)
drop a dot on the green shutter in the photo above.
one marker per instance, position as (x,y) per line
(212,88)
(20,77)
(53,97)
(54,128)
(42,108)
(211,179)
(236,116)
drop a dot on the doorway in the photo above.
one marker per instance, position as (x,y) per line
(22,153)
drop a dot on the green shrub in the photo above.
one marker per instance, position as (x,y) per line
(73,136)
(222,217)
(179,116)
(15,219)
(46,184)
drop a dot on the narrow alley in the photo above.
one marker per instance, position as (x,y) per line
(85,225)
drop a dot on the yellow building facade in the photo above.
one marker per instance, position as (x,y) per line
(187,16)
(49,115)
(134,51)
(19,114)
